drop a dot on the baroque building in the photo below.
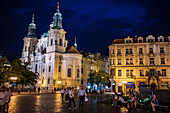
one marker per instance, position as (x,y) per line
(56,63)
(140,61)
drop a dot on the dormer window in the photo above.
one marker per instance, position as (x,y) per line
(140,39)
(150,38)
(161,39)
(128,40)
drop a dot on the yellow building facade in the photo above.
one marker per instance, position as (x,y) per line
(136,61)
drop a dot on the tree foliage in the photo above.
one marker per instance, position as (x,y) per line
(99,77)
(19,70)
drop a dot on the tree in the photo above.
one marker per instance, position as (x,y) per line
(3,70)
(23,73)
(99,77)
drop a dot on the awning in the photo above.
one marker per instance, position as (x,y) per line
(130,84)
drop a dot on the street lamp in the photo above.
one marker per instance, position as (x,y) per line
(59,82)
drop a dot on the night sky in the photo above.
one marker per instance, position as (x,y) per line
(95,23)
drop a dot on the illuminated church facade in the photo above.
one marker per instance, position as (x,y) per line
(56,63)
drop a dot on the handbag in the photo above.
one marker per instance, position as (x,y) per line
(86,99)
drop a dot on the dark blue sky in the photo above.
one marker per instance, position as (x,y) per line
(95,23)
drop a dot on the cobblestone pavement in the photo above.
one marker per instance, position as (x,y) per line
(52,103)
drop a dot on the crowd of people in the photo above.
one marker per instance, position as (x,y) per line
(69,96)
(132,101)
(5,96)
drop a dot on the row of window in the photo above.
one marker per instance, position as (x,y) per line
(140,40)
(130,61)
(129,51)
(130,72)
(60,42)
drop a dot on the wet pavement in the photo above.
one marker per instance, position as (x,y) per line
(52,103)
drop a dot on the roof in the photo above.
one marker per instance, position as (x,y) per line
(135,40)
(71,49)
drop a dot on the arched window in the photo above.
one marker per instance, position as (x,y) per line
(49,80)
(36,68)
(25,48)
(61,42)
(78,72)
(51,42)
(69,72)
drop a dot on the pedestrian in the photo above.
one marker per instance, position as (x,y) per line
(67,95)
(154,103)
(130,91)
(3,99)
(38,90)
(81,94)
(9,94)
(115,100)
(71,95)
(62,92)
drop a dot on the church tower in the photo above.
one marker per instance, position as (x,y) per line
(75,44)
(56,40)
(30,42)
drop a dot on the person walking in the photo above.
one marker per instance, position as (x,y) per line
(67,94)
(71,96)
(81,94)
(3,99)
(9,94)
(38,90)
(62,92)
(154,103)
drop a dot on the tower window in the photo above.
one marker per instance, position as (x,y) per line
(78,73)
(59,69)
(25,48)
(69,72)
(49,80)
(51,42)
(36,68)
(61,42)
(49,69)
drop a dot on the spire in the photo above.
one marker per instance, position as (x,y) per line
(57,5)
(57,19)
(33,18)
(75,44)
(32,28)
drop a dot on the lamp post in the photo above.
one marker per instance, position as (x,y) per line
(13,79)
(59,82)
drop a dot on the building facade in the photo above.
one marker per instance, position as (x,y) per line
(56,63)
(139,61)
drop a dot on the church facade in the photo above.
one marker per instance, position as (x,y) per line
(56,63)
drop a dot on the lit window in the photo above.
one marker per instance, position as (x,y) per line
(127,72)
(119,73)
(119,51)
(131,61)
(141,60)
(127,61)
(69,72)
(163,72)
(141,73)
(119,61)
(131,72)
(162,61)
